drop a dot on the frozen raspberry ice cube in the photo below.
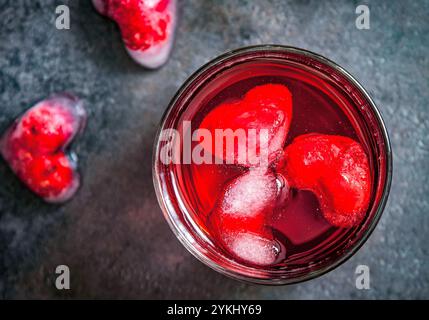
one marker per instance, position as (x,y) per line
(52,177)
(336,169)
(147,27)
(35,146)
(48,126)
(345,194)
(266,107)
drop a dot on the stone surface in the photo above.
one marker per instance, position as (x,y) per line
(112,235)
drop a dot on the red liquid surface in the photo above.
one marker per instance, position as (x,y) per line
(302,233)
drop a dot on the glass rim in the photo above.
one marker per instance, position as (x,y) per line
(177,227)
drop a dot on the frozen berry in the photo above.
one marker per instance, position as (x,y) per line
(337,170)
(49,125)
(52,177)
(147,27)
(34,146)
(237,126)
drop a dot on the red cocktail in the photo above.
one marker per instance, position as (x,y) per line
(298,190)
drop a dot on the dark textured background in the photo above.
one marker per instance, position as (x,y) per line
(112,235)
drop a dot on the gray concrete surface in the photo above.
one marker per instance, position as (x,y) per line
(112,234)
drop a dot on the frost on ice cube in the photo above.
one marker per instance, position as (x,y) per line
(252,248)
(239,219)
(250,194)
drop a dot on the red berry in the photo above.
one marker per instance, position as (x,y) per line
(141,25)
(266,107)
(147,27)
(52,177)
(34,146)
(48,126)
(309,155)
(337,170)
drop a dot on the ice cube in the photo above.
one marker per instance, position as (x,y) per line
(239,219)
(250,194)
(36,146)
(252,248)
(147,27)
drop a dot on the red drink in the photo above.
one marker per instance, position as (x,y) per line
(302,242)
